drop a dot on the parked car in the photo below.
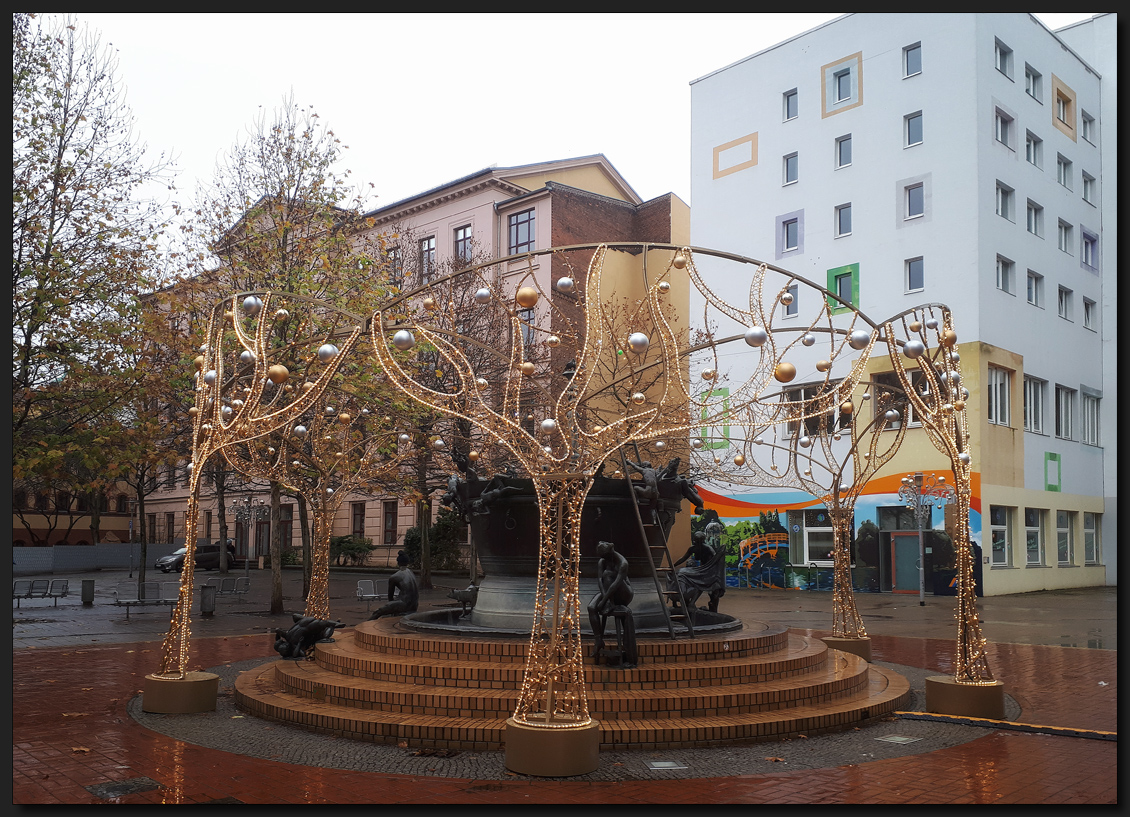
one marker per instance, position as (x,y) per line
(207,558)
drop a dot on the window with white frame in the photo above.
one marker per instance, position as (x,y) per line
(522,235)
(1087,127)
(1033,149)
(1090,250)
(1088,187)
(1034,391)
(1089,313)
(1033,536)
(843,220)
(1064,412)
(527,316)
(463,243)
(791,234)
(1063,170)
(1064,537)
(1035,220)
(427,258)
(1089,419)
(1065,108)
(889,394)
(1005,274)
(915,274)
(1090,537)
(792,308)
(1064,236)
(912,60)
(915,198)
(790,103)
(1000,535)
(1002,128)
(999,393)
(841,85)
(1004,201)
(799,395)
(843,151)
(790,168)
(913,129)
(1033,83)
(1064,303)
(1035,289)
(1002,58)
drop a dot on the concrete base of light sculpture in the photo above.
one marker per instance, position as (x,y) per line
(856,646)
(947,696)
(546,751)
(195,692)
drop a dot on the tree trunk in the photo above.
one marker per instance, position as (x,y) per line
(141,532)
(304,528)
(276,550)
(223,519)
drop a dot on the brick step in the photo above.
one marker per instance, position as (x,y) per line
(258,692)
(842,674)
(347,657)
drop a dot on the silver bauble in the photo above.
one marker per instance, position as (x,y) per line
(548,425)
(404,439)
(638,342)
(251,306)
(300,431)
(809,339)
(246,356)
(859,339)
(482,295)
(327,352)
(914,349)
(755,336)
(565,284)
(403,340)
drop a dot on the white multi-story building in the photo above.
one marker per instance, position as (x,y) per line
(962,159)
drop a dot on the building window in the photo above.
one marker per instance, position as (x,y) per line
(915,274)
(1035,289)
(1064,237)
(913,129)
(1004,201)
(912,60)
(526,316)
(1000,532)
(842,85)
(427,258)
(1089,419)
(790,104)
(1034,405)
(1033,536)
(800,394)
(792,308)
(843,151)
(1089,314)
(358,520)
(1005,275)
(844,282)
(791,168)
(889,394)
(1002,128)
(915,201)
(1002,58)
(1065,303)
(843,220)
(1063,110)
(1064,414)
(521,232)
(170,527)
(395,266)
(122,504)
(1032,82)
(1087,126)
(1033,149)
(1035,221)
(463,242)
(1090,538)
(1088,188)
(1063,171)
(390,515)
(1090,250)
(208,525)
(791,234)
(999,392)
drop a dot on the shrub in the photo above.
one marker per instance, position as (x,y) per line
(445,538)
(350,549)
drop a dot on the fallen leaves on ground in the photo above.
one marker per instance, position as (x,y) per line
(775,759)
(80,750)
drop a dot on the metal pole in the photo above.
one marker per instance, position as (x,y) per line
(918,513)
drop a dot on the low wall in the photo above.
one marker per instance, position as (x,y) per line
(84,558)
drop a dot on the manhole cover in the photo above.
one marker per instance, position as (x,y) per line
(120,788)
(664,765)
(898,739)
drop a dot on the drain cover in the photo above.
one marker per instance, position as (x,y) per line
(898,739)
(665,765)
(120,788)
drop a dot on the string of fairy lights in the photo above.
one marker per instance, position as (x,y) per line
(620,387)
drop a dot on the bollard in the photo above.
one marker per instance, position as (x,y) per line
(88,592)
(208,600)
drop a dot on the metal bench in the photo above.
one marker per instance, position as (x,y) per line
(21,589)
(58,589)
(126,594)
(370,590)
(230,585)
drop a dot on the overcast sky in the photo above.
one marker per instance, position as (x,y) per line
(421,99)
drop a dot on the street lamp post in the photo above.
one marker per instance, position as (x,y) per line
(247,510)
(920,493)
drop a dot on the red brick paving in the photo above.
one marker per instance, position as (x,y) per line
(71,730)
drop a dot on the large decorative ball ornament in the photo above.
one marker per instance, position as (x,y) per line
(430,304)
(300,431)
(307,386)
(859,339)
(251,306)
(282,314)
(344,418)
(756,336)
(805,442)
(638,398)
(867,395)
(638,342)
(823,365)
(915,326)
(438,443)
(949,338)
(228,315)
(527,368)
(955,357)
(708,374)
(892,415)
(846,407)
(527,297)
(717,460)
(958,405)
(237,403)
(786,298)
(758,441)
(739,460)
(327,352)
(565,283)
(246,356)
(679,261)
(329,491)
(809,339)
(784,372)
(210,377)
(660,445)
(473,456)
(548,425)
(914,349)
(844,488)
(931,323)
(403,340)
(482,295)
(964,457)
(329,410)
(481,383)
(206,427)
(664,286)
(404,439)
(199,362)
(192,412)
(278,374)
(696,444)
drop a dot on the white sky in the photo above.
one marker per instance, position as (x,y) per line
(421,99)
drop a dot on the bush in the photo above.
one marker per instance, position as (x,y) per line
(445,538)
(350,549)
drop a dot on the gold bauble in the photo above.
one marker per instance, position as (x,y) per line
(846,407)
(527,368)
(227,315)
(278,374)
(822,366)
(344,418)
(959,405)
(307,386)
(708,374)
(784,372)
(526,297)
(429,303)
(473,456)
(481,383)
(664,286)
(915,326)
(949,338)
(638,398)
(739,460)
(192,412)
(199,361)
(553,341)
(680,261)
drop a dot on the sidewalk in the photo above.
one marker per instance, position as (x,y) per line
(79,735)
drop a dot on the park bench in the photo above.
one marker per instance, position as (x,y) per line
(151,593)
(58,589)
(370,590)
(29,589)
(229,585)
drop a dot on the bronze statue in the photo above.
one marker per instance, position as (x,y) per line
(493,491)
(708,576)
(612,600)
(466,597)
(306,632)
(404,580)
